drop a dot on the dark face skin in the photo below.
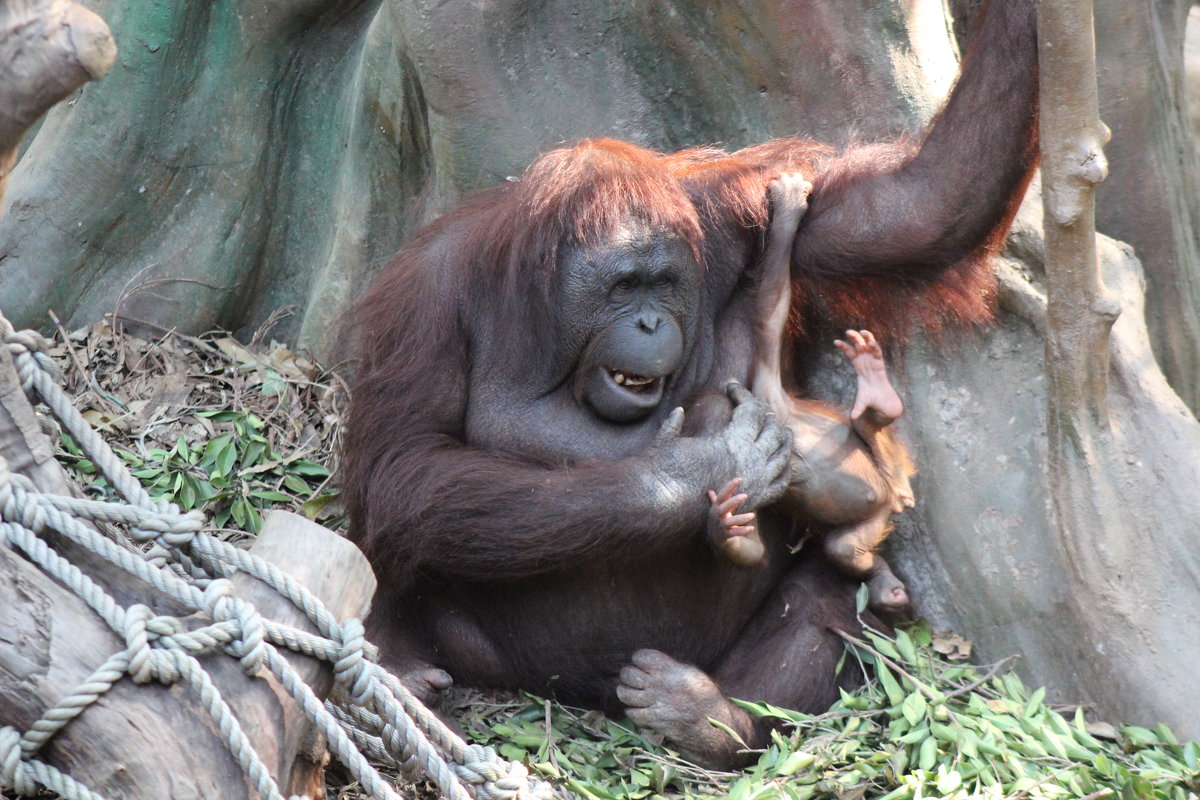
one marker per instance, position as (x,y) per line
(628,306)
(623,355)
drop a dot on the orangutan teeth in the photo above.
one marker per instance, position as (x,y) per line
(630,381)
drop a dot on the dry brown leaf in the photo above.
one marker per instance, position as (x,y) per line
(952,646)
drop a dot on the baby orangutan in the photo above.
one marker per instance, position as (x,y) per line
(849,474)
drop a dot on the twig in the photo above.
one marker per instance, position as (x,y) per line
(991,673)
(277,316)
(1025,792)
(925,690)
(114,403)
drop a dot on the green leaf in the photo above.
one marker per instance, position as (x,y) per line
(904,644)
(949,782)
(927,756)
(309,469)
(861,598)
(968,744)
(918,734)
(945,733)
(1035,703)
(883,645)
(1165,734)
(854,702)
(1013,687)
(794,762)
(253,454)
(213,449)
(760,709)
(716,723)
(1138,735)
(296,484)
(914,707)
(273,496)
(187,494)
(273,383)
(253,519)
(891,688)
(1191,756)
(219,416)
(238,510)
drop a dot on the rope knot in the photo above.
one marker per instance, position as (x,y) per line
(13,771)
(222,606)
(24,340)
(497,779)
(145,664)
(352,671)
(28,350)
(168,526)
(19,500)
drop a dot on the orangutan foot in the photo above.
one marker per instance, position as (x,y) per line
(886,592)
(875,392)
(678,701)
(426,683)
(789,193)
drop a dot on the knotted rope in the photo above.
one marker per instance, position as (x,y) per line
(371,710)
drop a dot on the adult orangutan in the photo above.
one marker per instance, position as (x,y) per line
(514,465)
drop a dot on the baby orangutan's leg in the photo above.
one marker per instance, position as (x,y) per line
(852,549)
(733,535)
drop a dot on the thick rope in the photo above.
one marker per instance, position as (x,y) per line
(184,563)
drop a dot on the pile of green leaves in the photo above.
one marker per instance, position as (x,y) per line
(588,754)
(921,726)
(232,477)
(207,423)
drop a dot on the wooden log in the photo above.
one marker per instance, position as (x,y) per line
(154,741)
(49,48)
(23,445)
(337,572)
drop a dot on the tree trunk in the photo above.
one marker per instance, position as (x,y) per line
(1092,576)
(1151,198)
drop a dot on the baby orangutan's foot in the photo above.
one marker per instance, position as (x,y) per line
(788,193)
(733,535)
(887,593)
(875,392)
